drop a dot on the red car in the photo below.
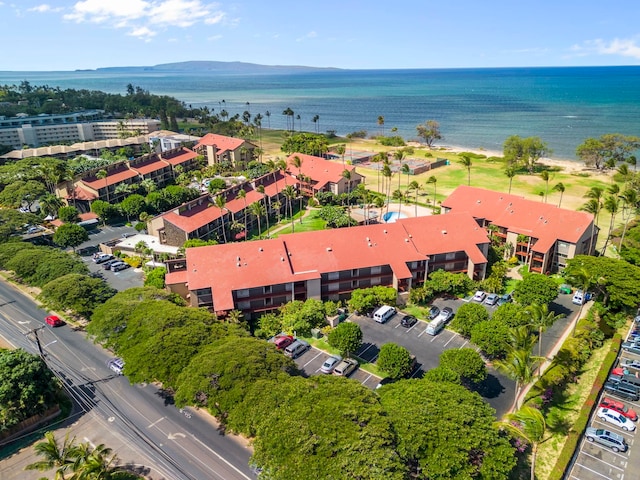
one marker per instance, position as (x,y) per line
(53,321)
(620,408)
(283,342)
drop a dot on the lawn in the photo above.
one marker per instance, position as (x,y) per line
(322,344)
(309,223)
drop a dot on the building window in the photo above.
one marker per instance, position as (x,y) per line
(354,284)
(243,293)
(450,266)
(375,281)
(268,301)
(267,289)
(244,305)
(450,256)
(333,275)
(376,270)
(333,287)
(354,272)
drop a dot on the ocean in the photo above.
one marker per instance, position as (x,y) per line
(476,108)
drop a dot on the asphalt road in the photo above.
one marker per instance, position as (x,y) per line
(153,432)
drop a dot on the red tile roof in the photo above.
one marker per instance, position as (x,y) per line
(88,216)
(304,256)
(80,193)
(283,179)
(153,164)
(543,221)
(236,204)
(221,142)
(176,278)
(321,171)
(194,218)
(113,177)
(183,156)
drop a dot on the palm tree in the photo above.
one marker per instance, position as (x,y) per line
(559,187)
(433,180)
(593,207)
(346,174)
(243,195)
(277,206)
(267,206)
(268,115)
(103,174)
(399,156)
(630,202)
(148,185)
(96,463)
(61,457)
(387,173)
(123,189)
(258,210)
(414,186)
(221,203)
(541,318)
(340,150)
(315,122)
(520,366)
(611,205)
(544,175)
(510,172)
(296,161)
(50,204)
(529,423)
(465,161)
(381,123)
(290,194)
(406,170)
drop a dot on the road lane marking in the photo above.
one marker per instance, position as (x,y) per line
(156,422)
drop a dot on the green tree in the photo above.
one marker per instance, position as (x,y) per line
(363,299)
(429,132)
(20,192)
(133,205)
(323,427)
(27,387)
(257,210)
(536,288)
(442,374)
(541,319)
(465,161)
(545,176)
(155,278)
(103,209)
(437,438)
(50,204)
(269,325)
(466,363)
(220,375)
(511,314)
(76,292)
(510,172)
(70,235)
(68,214)
(520,366)
(528,423)
(299,317)
(491,336)
(346,337)
(467,316)
(559,187)
(394,360)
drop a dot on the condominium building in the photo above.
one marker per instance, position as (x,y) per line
(541,235)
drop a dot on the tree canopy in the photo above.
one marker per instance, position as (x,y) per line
(467,316)
(346,337)
(466,362)
(394,360)
(429,132)
(70,235)
(77,292)
(536,288)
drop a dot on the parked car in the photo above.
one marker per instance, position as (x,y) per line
(107,265)
(619,376)
(633,347)
(580,297)
(283,341)
(615,418)
(506,298)
(117,365)
(346,367)
(479,296)
(622,390)
(564,288)
(491,299)
(408,321)
(445,314)
(628,363)
(619,407)
(609,439)
(433,312)
(102,257)
(53,321)
(35,229)
(330,363)
(297,348)
(119,267)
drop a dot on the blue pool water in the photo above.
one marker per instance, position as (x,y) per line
(391,217)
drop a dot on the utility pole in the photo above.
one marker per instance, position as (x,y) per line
(35,333)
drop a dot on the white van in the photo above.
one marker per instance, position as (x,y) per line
(384,313)
(435,326)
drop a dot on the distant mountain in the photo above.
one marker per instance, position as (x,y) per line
(217,67)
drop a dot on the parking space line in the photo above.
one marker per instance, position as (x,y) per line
(423,332)
(613,427)
(365,350)
(592,471)
(606,463)
(445,345)
(412,327)
(312,359)
(366,379)
(465,342)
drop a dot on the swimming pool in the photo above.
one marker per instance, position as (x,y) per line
(391,217)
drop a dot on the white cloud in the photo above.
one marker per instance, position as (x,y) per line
(143,18)
(42,8)
(618,46)
(307,36)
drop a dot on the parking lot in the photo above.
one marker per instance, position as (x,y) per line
(311,361)
(595,462)
(129,278)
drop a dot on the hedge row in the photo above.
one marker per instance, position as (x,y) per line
(574,435)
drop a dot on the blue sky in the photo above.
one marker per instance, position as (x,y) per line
(68,35)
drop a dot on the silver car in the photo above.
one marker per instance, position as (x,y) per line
(330,363)
(609,439)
